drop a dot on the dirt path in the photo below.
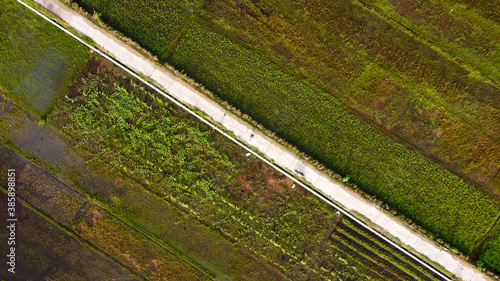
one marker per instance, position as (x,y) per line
(284,161)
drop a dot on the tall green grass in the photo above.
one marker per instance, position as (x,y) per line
(152,24)
(491,254)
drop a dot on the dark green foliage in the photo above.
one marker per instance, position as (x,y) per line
(424,88)
(251,203)
(422,190)
(312,120)
(38,61)
(152,24)
(491,255)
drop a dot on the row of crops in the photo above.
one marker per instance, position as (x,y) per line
(248,202)
(369,248)
(425,95)
(69,219)
(313,121)
(130,132)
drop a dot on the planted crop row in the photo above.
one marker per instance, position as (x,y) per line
(311,120)
(48,251)
(99,228)
(403,84)
(491,255)
(391,256)
(391,268)
(152,24)
(361,234)
(454,27)
(35,74)
(345,248)
(257,208)
(112,120)
(488,9)
(128,199)
(132,248)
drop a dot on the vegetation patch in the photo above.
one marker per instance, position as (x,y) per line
(36,74)
(161,220)
(490,256)
(41,190)
(244,200)
(386,73)
(397,175)
(133,248)
(311,119)
(153,24)
(370,249)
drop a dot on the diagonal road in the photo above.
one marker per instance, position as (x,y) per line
(333,193)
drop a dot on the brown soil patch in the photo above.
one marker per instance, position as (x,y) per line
(92,216)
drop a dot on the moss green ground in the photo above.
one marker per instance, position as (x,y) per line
(37,73)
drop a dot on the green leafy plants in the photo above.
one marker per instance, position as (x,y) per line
(314,122)
(247,202)
(152,24)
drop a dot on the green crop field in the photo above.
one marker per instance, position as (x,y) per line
(405,86)
(461,34)
(315,86)
(204,174)
(247,210)
(488,9)
(35,74)
(155,27)
(396,174)
(367,248)
(491,255)
(258,55)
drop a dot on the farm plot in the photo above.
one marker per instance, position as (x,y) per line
(154,24)
(133,248)
(205,175)
(489,253)
(36,74)
(95,225)
(46,251)
(413,92)
(474,42)
(488,9)
(166,223)
(317,125)
(368,248)
(452,26)
(312,120)
(408,89)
